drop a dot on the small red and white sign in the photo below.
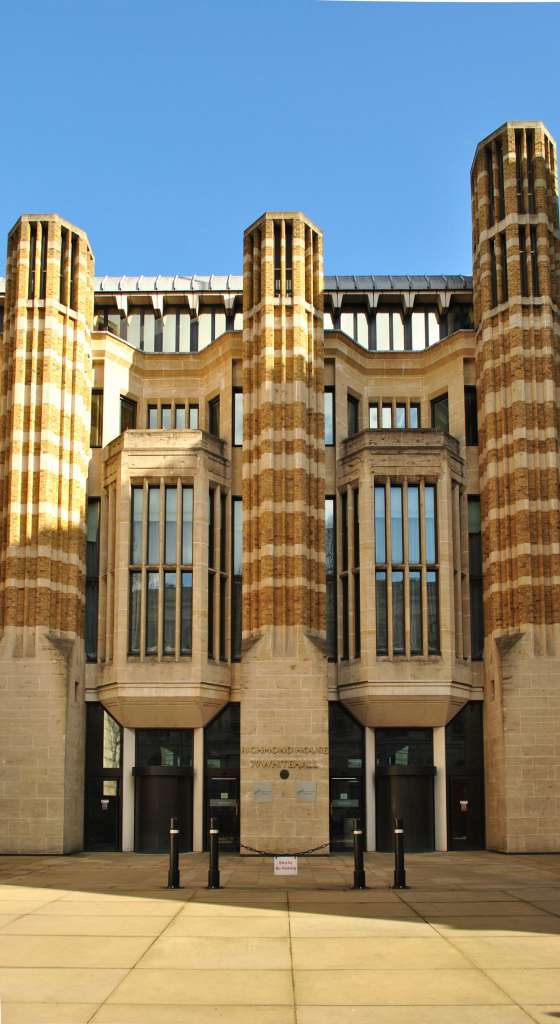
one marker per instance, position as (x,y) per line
(285,865)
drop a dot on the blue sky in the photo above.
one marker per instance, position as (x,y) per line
(165,128)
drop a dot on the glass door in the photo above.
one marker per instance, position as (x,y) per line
(345,809)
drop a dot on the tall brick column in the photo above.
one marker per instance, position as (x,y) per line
(516,256)
(284,719)
(45,400)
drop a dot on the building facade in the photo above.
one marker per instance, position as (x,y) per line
(282,549)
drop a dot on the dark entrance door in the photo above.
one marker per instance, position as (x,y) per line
(223,805)
(102,818)
(405,792)
(161,794)
(465,812)
(346,804)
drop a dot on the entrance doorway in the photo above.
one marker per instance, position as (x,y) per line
(159,795)
(404,788)
(465,779)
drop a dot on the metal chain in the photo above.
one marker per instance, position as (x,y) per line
(300,853)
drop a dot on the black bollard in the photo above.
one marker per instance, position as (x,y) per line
(173,876)
(359,873)
(400,874)
(214,866)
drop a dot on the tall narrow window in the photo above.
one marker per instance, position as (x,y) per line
(523,261)
(330,570)
(193,417)
(169,602)
(236,577)
(211,567)
(519,170)
(180,420)
(530,139)
(153,526)
(475,578)
(136,502)
(396,525)
(44,259)
(503,252)
(373,416)
(237,417)
(63,259)
(381,629)
(345,621)
(414,416)
(397,589)
(186,570)
(356,531)
(187,526)
(152,420)
(353,415)
(490,176)
(92,577)
(415,596)
(277,259)
(344,539)
(413,492)
(432,573)
(430,523)
(289,257)
(493,272)
(380,542)
(166,417)
(32,260)
(74,251)
(387,416)
(534,261)
(440,413)
(186,611)
(471,416)
(134,604)
(433,612)
(223,575)
(501,187)
(328,400)
(400,416)
(128,414)
(214,416)
(170,525)
(152,608)
(96,428)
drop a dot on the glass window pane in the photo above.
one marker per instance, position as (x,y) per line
(169,613)
(373,417)
(238,417)
(186,612)
(413,523)
(386,416)
(92,610)
(330,558)
(396,525)
(345,621)
(134,613)
(165,748)
(193,417)
(152,417)
(187,525)
(382,331)
(414,421)
(404,747)
(237,547)
(400,417)
(397,586)
(152,595)
(180,420)
(440,413)
(418,331)
(137,501)
(415,594)
(433,613)
(170,525)
(331,618)
(166,417)
(96,431)
(153,525)
(398,331)
(381,612)
(111,742)
(380,544)
(430,523)
(329,416)
(353,415)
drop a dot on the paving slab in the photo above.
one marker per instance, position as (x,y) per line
(529,986)
(57,984)
(160,1014)
(47,1013)
(212,953)
(378,953)
(73,924)
(505,951)
(413,1015)
(397,987)
(200,988)
(70,951)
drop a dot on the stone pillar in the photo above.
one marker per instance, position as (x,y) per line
(198,790)
(128,758)
(284,712)
(440,789)
(369,769)
(516,264)
(45,397)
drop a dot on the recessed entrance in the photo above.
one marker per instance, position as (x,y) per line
(404,788)
(163,788)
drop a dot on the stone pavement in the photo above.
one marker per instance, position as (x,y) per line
(97,938)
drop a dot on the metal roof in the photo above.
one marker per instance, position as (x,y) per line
(234,283)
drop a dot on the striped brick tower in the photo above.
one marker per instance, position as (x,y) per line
(284,719)
(516,266)
(44,439)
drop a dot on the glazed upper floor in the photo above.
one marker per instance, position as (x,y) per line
(186,314)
